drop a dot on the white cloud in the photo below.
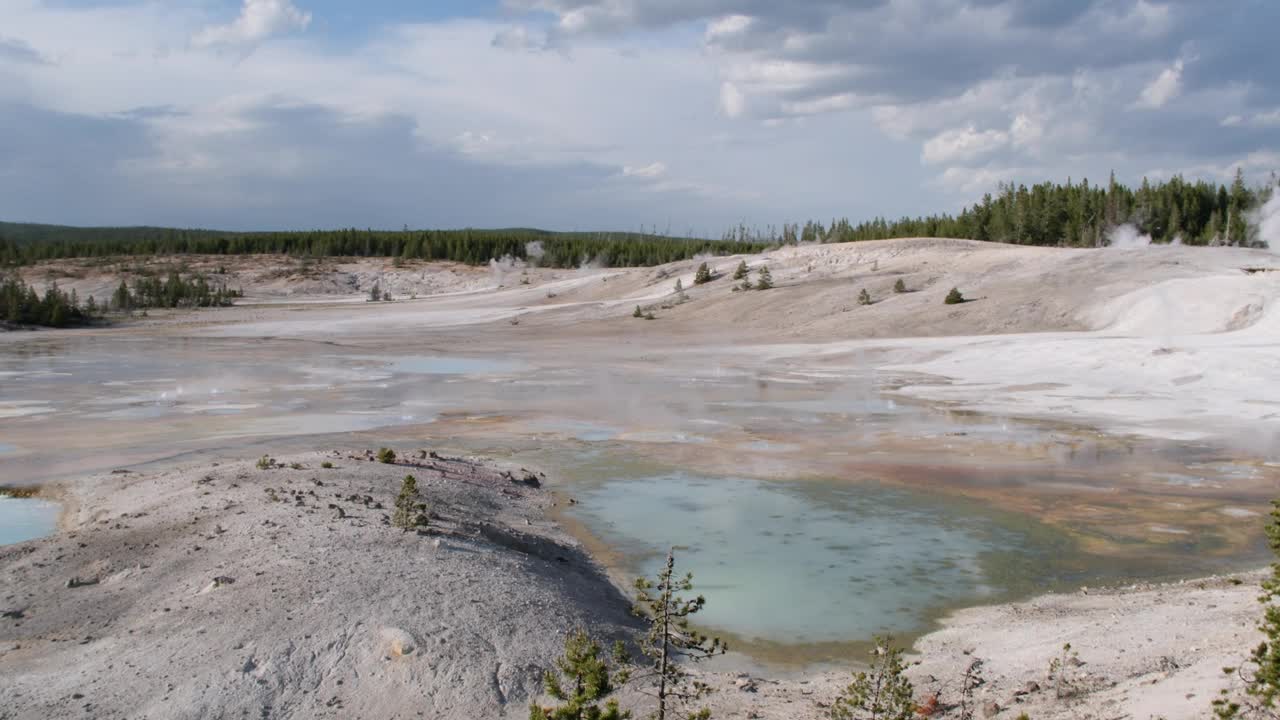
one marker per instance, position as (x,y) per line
(1165,87)
(728,25)
(649,171)
(961,145)
(732,102)
(258,20)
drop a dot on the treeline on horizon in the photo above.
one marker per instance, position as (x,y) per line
(1071,214)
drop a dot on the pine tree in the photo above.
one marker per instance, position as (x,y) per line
(882,692)
(410,511)
(765,280)
(954,297)
(900,286)
(1262,671)
(582,679)
(638,313)
(864,297)
(670,639)
(703,275)
(741,272)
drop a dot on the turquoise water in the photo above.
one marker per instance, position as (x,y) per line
(22,519)
(794,563)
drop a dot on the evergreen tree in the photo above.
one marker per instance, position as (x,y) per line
(582,679)
(638,313)
(671,639)
(954,297)
(765,279)
(900,286)
(864,297)
(1261,672)
(703,276)
(741,272)
(882,692)
(410,511)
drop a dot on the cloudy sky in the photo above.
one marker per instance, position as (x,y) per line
(583,114)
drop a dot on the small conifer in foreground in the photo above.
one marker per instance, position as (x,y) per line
(741,272)
(410,511)
(581,680)
(882,692)
(954,297)
(765,280)
(703,275)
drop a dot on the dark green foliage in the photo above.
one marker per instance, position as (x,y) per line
(671,639)
(638,313)
(582,679)
(1261,673)
(20,304)
(326,465)
(266,462)
(864,297)
(31,243)
(703,276)
(172,292)
(410,511)
(741,272)
(386,456)
(375,293)
(765,279)
(954,297)
(882,692)
(900,286)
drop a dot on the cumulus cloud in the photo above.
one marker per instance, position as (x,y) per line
(962,144)
(1165,87)
(258,20)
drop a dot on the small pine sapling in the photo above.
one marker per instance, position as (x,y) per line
(1261,672)
(670,639)
(741,272)
(900,286)
(386,456)
(954,297)
(864,297)
(703,275)
(638,313)
(882,692)
(765,279)
(1062,675)
(410,511)
(582,679)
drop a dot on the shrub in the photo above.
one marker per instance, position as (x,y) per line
(295,466)
(1261,673)
(765,280)
(882,692)
(864,297)
(326,465)
(703,275)
(375,293)
(386,456)
(954,297)
(410,511)
(741,272)
(900,286)
(638,313)
(266,462)
(582,679)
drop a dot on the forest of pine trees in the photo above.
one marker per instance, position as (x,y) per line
(25,244)
(1072,214)
(20,304)
(172,292)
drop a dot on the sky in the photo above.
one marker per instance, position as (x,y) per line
(681,116)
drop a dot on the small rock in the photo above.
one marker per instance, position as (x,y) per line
(991,708)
